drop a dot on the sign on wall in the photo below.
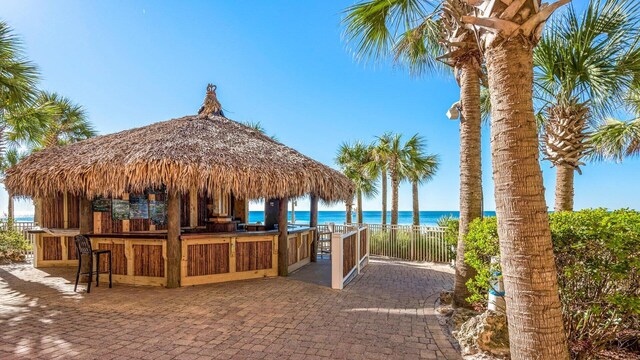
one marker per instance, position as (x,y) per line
(158,212)
(139,207)
(120,209)
(101,205)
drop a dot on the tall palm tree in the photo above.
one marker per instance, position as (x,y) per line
(423,168)
(417,33)
(378,167)
(18,78)
(353,160)
(508,35)
(584,68)
(400,156)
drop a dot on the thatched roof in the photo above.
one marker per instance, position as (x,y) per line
(201,151)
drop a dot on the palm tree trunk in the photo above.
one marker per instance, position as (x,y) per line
(564,188)
(395,183)
(10,215)
(383,185)
(470,173)
(530,280)
(416,204)
(348,207)
(359,218)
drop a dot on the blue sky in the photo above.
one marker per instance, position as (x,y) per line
(283,63)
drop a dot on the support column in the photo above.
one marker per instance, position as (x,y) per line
(85,227)
(174,250)
(283,242)
(313,222)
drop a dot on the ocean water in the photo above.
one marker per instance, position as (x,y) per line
(338,217)
(371,217)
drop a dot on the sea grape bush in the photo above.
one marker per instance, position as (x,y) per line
(597,254)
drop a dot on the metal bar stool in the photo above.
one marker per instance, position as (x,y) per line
(83,247)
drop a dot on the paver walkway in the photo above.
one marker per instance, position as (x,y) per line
(385,313)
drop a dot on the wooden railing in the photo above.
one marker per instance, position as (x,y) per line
(349,253)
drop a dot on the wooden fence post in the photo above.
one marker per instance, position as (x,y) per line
(336,261)
(358,249)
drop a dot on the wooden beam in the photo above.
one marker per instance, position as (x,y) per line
(86,215)
(313,222)
(283,241)
(85,227)
(65,210)
(174,250)
(193,207)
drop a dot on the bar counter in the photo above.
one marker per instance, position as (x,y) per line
(140,258)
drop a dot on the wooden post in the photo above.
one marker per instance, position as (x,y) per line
(313,222)
(37,207)
(174,250)
(193,207)
(85,227)
(337,275)
(283,241)
(86,215)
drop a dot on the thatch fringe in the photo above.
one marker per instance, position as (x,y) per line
(210,152)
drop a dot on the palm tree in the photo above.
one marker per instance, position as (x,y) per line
(378,167)
(616,140)
(399,162)
(353,160)
(18,78)
(423,168)
(584,68)
(66,124)
(11,158)
(417,33)
(508,35)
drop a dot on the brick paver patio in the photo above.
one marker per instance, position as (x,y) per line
(385,313)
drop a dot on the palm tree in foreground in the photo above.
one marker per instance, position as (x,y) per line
(584,68)
(508,36)
(417,33)
(18,78)
(353,160)
(423,168)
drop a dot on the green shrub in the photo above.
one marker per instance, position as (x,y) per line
(597,255)
(12,243)
(452,227)
(481,244)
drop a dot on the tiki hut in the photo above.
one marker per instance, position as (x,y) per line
(170,200)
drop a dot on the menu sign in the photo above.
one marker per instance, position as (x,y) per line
(120,209)
(138,207)
(158,212)
(101,205)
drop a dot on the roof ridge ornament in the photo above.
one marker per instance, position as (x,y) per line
(211,105)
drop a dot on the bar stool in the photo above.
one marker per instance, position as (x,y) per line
(83,247)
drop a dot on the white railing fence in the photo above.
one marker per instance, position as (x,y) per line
(410,242)
(349,253)
(23,227)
